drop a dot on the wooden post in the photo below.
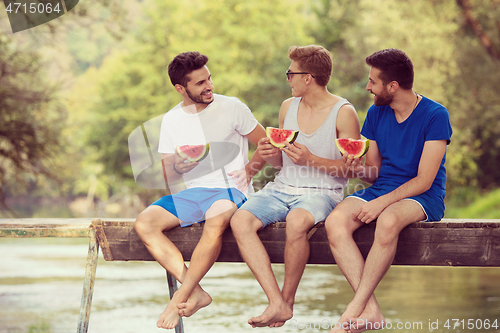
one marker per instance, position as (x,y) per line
(88,283)
(172,288)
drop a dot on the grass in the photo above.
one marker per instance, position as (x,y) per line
(39,328)
(485,207)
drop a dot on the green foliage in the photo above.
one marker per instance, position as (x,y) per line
(475,103)
(336,24)
(248,57)
(30,119)
(486,206)
(246,42)
(120,85)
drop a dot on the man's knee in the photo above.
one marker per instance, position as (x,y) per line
(244,222)
(387,229)
(144,223)
(298,224)
(340,224)
(221,209)
(217,224)
(153,220)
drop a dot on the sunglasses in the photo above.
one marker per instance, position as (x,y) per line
(289,74)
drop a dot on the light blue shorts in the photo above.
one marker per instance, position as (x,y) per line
(271,206)
(191,205)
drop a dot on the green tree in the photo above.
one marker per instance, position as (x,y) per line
(30,121)
(336,21)
(247,45)
(37,155)
(474,93)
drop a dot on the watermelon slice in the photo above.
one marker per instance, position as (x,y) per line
(357,148)
(193,153)
(278,136)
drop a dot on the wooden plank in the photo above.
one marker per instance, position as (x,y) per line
(455,242)
(450,242)
(45,227)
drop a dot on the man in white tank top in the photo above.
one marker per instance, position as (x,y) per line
(310,182)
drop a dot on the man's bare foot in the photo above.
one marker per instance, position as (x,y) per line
(198,299)
(342,326)
(272,314)
(169,317)
(281,323)
(368,320)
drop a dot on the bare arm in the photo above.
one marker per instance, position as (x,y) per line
(244,177)
(256,163)
(173,177)
(265,149)
(428,167)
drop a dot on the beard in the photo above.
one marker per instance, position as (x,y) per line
(200,98)
(383,99)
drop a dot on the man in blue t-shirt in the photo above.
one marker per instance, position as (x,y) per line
(408,136)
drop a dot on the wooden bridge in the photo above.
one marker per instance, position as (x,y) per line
(450,242)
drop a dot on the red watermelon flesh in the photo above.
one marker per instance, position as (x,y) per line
(278,136)
(354,147)
(193,153)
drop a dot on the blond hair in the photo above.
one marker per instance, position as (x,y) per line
(314,59)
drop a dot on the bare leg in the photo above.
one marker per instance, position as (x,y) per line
(245,226)
(298,222)
(150,225)
(364,277)
(204,256)
(340,226)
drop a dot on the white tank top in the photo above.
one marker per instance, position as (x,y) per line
(301,179)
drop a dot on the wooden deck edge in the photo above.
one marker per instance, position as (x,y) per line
(445,243)
(450,242)
(25,228)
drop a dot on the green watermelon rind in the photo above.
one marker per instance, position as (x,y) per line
(290,139)
(198,158)
(365,147)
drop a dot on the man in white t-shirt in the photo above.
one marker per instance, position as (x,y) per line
(199,194)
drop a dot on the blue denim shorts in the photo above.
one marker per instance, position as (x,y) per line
(191,205)
(271,206)
(432,206)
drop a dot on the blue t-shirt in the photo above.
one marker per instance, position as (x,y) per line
(401,144)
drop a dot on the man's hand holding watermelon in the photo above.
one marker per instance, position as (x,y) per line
(269,153)
(299,154)
(182,165)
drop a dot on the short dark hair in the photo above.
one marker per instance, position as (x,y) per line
(395,65)
(183,64)
(313,59)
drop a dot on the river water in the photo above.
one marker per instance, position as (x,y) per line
(41,284)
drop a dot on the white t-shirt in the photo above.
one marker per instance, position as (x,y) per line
(226,119)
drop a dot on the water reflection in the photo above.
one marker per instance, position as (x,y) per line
(41,283)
